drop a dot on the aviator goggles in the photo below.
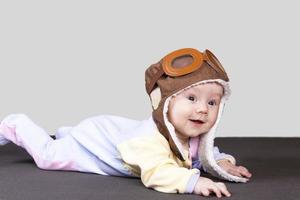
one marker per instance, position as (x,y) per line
(181,62)
(197,59)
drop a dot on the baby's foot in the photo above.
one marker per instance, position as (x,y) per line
(3,140)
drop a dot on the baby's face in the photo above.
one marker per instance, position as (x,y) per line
(194,111)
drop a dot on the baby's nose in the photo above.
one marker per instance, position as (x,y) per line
(202,108)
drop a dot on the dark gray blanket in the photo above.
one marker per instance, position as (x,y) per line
(274,163)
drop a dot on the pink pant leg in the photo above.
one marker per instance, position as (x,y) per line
(61,154)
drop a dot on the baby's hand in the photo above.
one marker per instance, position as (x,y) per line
(234,170)
(204,186)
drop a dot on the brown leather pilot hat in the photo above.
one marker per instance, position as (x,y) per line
(175,72)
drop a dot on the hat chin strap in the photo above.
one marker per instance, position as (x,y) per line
(206,156)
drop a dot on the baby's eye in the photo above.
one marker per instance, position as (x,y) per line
(192,98)
(212,103)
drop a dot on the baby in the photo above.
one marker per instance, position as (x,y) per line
(188,90)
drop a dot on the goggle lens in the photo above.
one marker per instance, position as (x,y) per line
(182,61)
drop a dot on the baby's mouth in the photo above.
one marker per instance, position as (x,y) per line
(197,121)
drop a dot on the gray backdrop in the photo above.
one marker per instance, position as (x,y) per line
(62,61)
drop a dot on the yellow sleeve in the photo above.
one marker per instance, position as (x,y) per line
(153,159)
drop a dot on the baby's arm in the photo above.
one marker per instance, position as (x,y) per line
(159,170)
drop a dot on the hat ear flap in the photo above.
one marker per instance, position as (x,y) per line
(152,74)
(155,98)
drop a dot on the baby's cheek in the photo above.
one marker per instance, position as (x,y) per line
(210,124)
(213,117)
(206,128)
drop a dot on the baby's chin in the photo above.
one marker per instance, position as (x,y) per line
(191,134)
(198,129)
(198,134)
(190,131)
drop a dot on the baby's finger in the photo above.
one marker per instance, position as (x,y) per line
(205,192)
(216,190)
(234,172)
(223,189)
(244,171)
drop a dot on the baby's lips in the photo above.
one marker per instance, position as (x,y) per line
(198,120)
